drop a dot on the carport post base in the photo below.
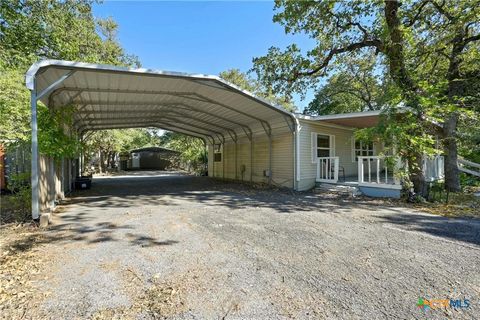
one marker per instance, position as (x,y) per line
(44,219)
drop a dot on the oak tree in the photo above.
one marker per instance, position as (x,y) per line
(428,47)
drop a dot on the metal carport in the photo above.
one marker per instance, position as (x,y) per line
(108,97)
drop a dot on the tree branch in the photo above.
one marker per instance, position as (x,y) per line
(417,14)
(376,43)
(359,95)
(471,39)
(440,8)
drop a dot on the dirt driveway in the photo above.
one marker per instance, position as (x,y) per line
(154,245)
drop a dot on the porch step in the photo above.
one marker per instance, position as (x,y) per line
(322,187)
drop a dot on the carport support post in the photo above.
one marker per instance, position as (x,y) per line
(270,157)
(80,158)
(34,174)
(236,174)
(251,158)
(205,164)
(213,162)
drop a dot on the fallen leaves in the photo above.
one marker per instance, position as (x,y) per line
(21,264)
(161,300)
(459,205)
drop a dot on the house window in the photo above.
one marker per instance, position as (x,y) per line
(217,152)
(363,148)
(323,145)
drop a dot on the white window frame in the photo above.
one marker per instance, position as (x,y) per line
(314,147)
(354,149)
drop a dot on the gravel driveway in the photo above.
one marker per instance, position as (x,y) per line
(152,245)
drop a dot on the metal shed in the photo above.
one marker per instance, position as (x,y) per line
(257,139)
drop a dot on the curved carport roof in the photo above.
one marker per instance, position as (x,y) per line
(109,97)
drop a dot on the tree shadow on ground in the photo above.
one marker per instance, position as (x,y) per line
(464,230)
(78,234)
(164,190)
(118,192)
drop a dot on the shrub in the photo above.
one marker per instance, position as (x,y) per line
(18,203)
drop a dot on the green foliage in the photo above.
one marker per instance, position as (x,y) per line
(469,137)
(53,139)
(40,29)
(192,149)
(331,25)
(468,180)
(14,106)
(18,207)
(58,30)
(356,86)
(15,119)
(429,50)
(245,82)
(121,140)
(108,143)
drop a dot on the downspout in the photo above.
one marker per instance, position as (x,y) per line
(297,151)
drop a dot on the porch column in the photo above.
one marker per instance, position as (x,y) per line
(34,173)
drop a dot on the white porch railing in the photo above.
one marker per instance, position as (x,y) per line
(327,169)
(469,167)
(370,172)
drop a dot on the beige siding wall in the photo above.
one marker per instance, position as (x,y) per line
(343,150)
(344,144)
(282,159)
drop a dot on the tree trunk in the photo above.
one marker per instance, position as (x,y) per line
(102,161)
(418,176)
(452,180)
(455,90)
(399,73)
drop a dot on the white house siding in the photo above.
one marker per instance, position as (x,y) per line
(282,158)
(343,150)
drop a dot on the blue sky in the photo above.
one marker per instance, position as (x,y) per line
(198,36)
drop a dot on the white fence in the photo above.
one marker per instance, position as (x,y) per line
(327,169)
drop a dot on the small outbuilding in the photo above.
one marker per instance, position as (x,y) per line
(154,158)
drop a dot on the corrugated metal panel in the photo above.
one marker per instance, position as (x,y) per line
(204,106)
(119,97)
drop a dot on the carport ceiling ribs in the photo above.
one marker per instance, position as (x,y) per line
(106,97)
